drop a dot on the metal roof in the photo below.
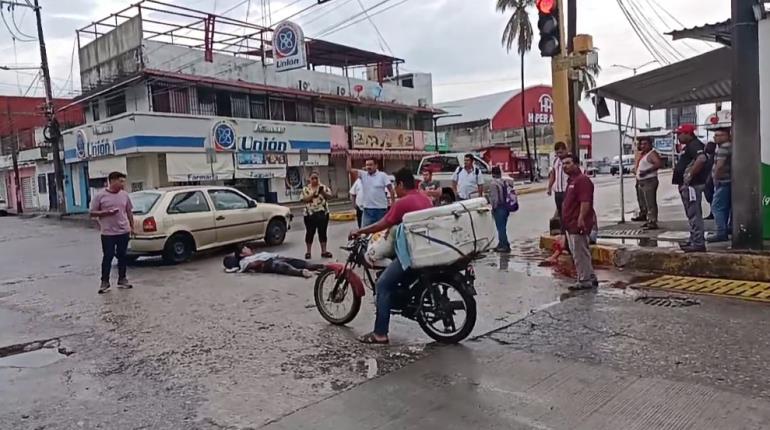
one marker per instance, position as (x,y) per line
(698,80)
(719,32)
(324,53)
(482,108)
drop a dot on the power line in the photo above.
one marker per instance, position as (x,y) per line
(642,38)
(376,29)
(654,33)
(8,27)
(344,25)
(328,11)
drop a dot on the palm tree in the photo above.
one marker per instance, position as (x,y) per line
(588,79)
(519,29)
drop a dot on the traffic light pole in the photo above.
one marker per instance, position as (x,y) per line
(747,198)
(52,134)
(560,90)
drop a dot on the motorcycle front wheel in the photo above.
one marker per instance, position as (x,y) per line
(334,298)
(447,313)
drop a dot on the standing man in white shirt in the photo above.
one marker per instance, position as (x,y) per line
(557,179)
(375,186)
(468,181)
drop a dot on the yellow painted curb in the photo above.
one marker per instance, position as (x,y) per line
(343,216)
(530,190)
(600,254)
(744,290)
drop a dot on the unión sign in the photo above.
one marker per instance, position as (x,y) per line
(288,47)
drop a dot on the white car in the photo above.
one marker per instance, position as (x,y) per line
(444,166)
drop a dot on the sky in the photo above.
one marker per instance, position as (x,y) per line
(458,41)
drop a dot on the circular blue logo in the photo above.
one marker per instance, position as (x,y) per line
(224,136)
(80,144)
(287,43)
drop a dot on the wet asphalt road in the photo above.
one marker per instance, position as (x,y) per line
(194,348)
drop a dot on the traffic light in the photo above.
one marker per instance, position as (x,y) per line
(548,24)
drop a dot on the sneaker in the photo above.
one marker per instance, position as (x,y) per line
(713,238)
(650,226)
(584,285)
(104,287)
(639,218)
(307,273)
(124,284)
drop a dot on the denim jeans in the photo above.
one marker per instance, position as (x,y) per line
(371,216)
(694,212)
(722,209)
(114,246)
(501,216)
(385,288)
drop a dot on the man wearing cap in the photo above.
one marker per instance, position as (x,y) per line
(721,206)
(690,176)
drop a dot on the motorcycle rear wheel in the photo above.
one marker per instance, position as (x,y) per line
(430,313)
(324,285)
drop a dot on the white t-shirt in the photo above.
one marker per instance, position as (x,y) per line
(357,190)
(374,189)
(560,184)
(468,183)
(260,256)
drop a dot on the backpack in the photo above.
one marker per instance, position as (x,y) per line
(510,198)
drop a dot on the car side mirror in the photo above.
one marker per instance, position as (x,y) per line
(252,204)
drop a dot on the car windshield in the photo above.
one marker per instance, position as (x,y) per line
(143,201)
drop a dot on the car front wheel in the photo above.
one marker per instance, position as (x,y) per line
(276,232)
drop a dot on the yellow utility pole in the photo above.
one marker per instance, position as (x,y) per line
(560,87)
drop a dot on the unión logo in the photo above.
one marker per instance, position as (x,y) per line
(81,142)
(288,46)
(224,136)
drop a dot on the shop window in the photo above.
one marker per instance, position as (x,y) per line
(187,203)
(258,107)
(276,109)
(376,118)
(207,101)
(42,184)
(304,112)
(116,104)
(361,117)
(239,104)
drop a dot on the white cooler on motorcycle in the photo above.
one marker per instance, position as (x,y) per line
(442,235)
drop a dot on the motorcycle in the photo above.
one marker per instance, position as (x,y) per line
(435,297)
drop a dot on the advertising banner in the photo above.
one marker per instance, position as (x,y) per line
(381,138)
(288,47)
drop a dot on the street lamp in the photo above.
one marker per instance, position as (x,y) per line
(435,124)
(636,69)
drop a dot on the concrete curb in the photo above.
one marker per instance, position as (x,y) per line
(727,265)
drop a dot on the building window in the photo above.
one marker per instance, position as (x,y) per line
(224,108)
(258,107)
(396,120)
(361,117)
(304,111)
(94,107)
(166,98)
(276,109)
(116,104)
(42,184)
(239,104)
(408,83)
(376,118)
(321,115)
(207,101)
(289,110)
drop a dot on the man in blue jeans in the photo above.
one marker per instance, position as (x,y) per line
(375,186)
(722,203)
(499,210)
(410,200)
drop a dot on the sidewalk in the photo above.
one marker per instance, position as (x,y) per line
(627,246)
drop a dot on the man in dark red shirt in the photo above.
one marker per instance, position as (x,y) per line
(579,219)
(409,200)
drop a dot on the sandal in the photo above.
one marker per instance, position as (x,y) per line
(370,339)
(327,255)
(308,256)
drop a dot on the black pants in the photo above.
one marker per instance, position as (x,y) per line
(318,221)
(288,266)
(114,246)
(559,199)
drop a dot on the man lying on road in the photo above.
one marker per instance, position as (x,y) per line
(248,260)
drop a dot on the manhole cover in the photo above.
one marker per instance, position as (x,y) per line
(622,233)
(668,302)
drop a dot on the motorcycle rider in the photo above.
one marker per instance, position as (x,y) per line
(409,200)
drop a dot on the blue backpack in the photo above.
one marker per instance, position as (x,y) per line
(510,198)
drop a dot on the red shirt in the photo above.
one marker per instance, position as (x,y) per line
(580,189)
(413,201)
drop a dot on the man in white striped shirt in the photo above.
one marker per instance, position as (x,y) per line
(557,179)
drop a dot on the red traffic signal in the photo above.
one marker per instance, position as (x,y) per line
(546,6)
